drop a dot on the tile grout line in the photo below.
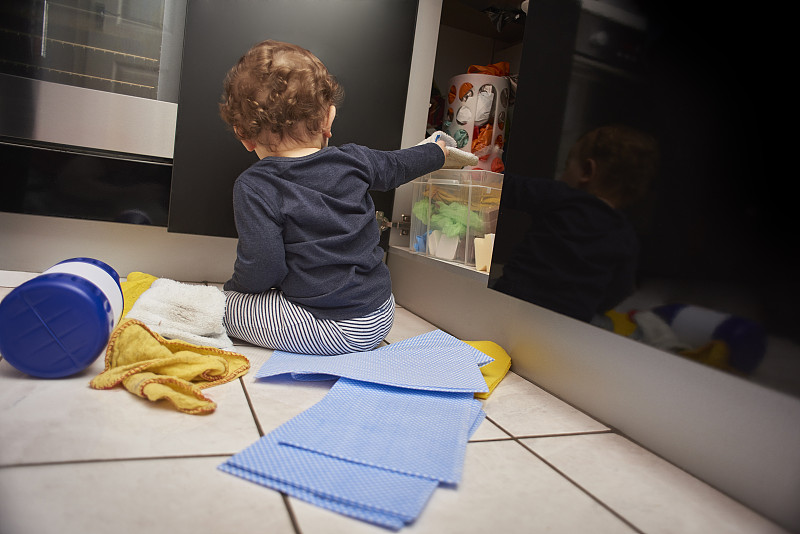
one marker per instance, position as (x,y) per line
(618,432)
(623,435)
(573,482)
(260,429)
(286,503)
(554,435)
(564,475)
(581,488)
(110,460)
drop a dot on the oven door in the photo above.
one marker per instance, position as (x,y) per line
(88,105)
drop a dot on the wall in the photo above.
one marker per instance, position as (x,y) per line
(33,243)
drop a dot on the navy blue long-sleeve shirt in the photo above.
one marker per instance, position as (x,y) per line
(307,226)
(563,249)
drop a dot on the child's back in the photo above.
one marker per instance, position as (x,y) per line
(309,274)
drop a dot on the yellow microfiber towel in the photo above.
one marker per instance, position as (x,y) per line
(134,285)
(493,372)
(155,368)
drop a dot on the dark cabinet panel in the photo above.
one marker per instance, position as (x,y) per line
(366,45)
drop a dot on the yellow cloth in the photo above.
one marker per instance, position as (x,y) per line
(485,200)
(715,353)
(622,323)
(132,288)
(493,372)
(155,368)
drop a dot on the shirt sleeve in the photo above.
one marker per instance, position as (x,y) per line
(260,256)
(396,167)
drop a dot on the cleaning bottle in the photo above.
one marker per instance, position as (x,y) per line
(58,323)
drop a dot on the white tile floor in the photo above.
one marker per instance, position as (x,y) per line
(78,460)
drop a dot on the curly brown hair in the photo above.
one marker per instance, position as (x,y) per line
(277,91)
(627,160)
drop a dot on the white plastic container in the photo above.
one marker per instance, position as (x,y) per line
(476,116)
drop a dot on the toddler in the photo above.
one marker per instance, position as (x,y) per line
(309,275)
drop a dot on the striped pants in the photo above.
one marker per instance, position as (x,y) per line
(269,320)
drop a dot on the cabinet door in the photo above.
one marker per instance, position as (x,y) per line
(366,45)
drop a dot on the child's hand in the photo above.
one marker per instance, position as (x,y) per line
(453,157)
(443,146)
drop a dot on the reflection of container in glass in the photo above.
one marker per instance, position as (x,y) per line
(451,208)
(479,117)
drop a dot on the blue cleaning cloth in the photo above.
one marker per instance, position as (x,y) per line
(379,518)
(391,429)
(389,459)
(386,498)
(438,339)
(435,361)
(421,433)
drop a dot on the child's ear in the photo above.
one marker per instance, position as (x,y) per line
(249,145)
(588,170)
(329,121)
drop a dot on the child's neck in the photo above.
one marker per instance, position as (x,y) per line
(292,150)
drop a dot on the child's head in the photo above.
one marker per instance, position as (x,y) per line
(278,92)
(616,163)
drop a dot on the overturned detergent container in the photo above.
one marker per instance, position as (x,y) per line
(59,322)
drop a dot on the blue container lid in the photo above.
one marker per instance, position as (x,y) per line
(54,325)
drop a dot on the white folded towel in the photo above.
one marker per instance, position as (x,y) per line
(455,158)
(192,313)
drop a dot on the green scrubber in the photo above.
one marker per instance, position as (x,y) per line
(451,219)
(421,211)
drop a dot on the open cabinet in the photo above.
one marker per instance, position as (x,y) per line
(468,32)
(366,45)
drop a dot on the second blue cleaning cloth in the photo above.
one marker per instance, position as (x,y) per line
(374,448)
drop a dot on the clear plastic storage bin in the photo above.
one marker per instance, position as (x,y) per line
(454,215)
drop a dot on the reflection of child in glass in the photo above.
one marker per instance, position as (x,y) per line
(614,163)
(579,253)
(309,275)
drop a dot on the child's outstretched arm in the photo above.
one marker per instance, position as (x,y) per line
(392,168)
(454,157)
